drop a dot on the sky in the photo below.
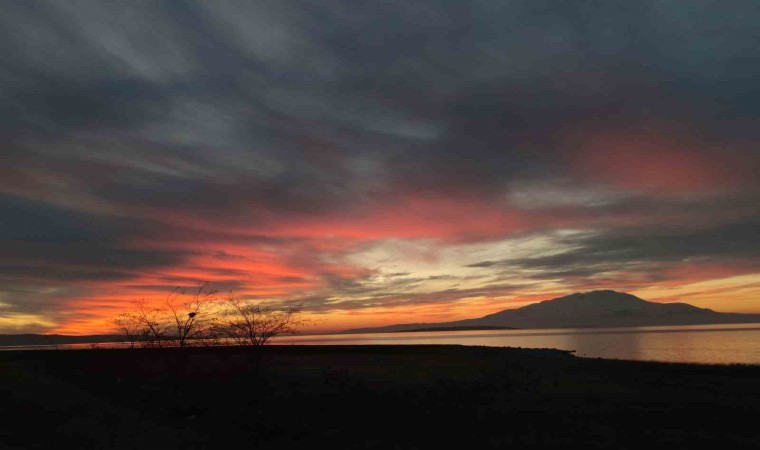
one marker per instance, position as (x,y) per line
(376,162)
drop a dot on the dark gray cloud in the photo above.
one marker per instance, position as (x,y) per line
(390,299)
(643,251)
(44,243)
(458,96)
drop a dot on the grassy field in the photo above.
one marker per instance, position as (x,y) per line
(382,397)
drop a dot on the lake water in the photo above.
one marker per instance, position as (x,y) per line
(712,344)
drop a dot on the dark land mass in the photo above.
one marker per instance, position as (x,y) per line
(382,397)
(595,309)
(455,329)
(11,340)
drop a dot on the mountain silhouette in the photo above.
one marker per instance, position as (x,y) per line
(594,309)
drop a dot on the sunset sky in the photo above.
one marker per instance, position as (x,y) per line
(377,162)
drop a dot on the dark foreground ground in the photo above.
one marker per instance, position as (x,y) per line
(384,397)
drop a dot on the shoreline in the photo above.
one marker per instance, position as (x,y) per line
(280,396)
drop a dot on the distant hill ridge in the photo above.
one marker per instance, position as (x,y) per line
(11,340)
(593,309)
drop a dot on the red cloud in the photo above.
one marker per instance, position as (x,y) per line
(657,160)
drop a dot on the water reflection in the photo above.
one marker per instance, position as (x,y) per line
(718,344)
(713,344)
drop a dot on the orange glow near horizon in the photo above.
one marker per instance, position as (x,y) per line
(322,259)
(724,289)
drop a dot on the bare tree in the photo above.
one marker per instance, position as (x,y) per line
(253,324)
(210,335)
(190,320)
(129,325)
(203,321)
(153,330)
